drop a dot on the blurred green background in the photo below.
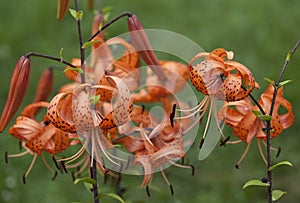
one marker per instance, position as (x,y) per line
(259,32)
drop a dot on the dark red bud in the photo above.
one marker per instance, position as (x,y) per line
(142,44)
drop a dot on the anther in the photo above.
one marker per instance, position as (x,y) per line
(201,143)
(193,170)
(24,178)
(62,163)
(148,191)
(223,142)
(55,162)
(278,152)
(6,157)
(171,189)
(55,174)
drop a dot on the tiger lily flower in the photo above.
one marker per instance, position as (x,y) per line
(246,125)
(155,144)
(37,137)
(221,78)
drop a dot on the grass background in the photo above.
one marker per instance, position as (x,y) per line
(259,32)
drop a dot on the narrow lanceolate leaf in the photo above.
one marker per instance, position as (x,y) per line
(112,195)
(85,180)
(87,44)
(76,14)
(287,163)
(255,183)
(265,117)
(269,81)
(257,112)
(18,86)
(284,82)
(288,56)
(277,194)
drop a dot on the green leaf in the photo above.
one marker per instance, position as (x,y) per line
(100,25)
(112,195)
(87,44)
(106,16)
(284,82)
(76,14)
(78,70)
(95,99)
(277,194)
(288,56)
(255,183)
(265,117)
(85,180)
(60,53)
(257,112)
(106,9)
(280,164)
(269,81)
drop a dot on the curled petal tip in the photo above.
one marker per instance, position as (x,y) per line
(18,86)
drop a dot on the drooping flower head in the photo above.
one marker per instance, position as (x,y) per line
(246,125)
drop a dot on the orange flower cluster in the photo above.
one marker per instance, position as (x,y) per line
(103,109)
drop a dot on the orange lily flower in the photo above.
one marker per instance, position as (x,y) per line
(38,136)
(155,144)
(246,125)
(220,78)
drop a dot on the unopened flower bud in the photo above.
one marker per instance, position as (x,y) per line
(18,86)
(141,43)
(62,8)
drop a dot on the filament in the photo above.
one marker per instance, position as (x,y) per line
(261,152)
(243,156)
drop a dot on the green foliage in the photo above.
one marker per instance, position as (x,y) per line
(77,15)
(277,194)
(85,180)
(284,82)
(255,183)
(90,43)
(282,163)
(112,195)
(262,117)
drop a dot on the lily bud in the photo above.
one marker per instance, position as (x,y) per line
(142,44)
(45,86)
(62,8)
(18,86)
(44,89)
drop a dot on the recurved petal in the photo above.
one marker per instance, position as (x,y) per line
(145,162)
(59,142)
(18,86)
(37,143)
(59,112)
(246,127)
